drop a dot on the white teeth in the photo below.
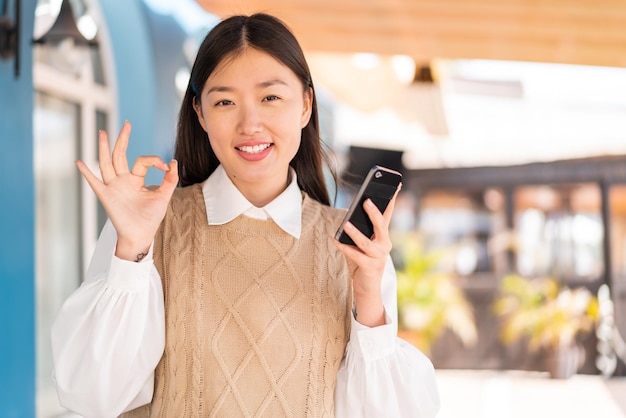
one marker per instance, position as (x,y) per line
(254,149)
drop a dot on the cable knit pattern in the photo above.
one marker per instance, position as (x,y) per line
(256,321)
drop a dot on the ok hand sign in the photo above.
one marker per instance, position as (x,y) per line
(135,211)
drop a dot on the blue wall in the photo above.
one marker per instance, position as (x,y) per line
(136,93)
(147,41)
(17,246)
(134,66)
(145,62)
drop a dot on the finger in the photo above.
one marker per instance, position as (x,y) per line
(170,180)
(144,162)
(120,162)
(392,204)
(363,243)
(94,182)
(381,221)
(353,253)
(104,154)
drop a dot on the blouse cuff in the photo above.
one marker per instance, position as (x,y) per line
(374,343)
(130,276)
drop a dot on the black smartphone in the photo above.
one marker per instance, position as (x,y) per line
(379,185)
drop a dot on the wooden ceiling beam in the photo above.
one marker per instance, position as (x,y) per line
(583,32)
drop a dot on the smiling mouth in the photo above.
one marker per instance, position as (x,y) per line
(255,149)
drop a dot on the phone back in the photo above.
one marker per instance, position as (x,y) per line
(379,185)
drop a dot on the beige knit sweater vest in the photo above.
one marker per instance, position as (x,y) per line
(256,321)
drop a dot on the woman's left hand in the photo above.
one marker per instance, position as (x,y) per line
(367,261)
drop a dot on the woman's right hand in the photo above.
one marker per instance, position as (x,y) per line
(135,210)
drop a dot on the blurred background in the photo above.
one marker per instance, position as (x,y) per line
(506,118)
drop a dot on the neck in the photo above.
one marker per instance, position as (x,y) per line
(263,192)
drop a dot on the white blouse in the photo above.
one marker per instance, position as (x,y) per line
(109,336)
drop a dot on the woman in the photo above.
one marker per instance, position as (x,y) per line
(227,296)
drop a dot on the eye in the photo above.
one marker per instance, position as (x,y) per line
(271,98)
(224,102)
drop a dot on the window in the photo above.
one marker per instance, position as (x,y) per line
(58,269)
(465,221)
(70,107)
(559,232)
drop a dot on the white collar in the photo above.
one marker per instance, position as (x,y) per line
(224,202)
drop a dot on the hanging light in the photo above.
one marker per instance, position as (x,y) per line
(65,29)
(67,47)
(63,37)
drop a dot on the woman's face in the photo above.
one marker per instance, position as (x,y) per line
(253,109)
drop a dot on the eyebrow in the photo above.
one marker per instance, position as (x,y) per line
(262,84)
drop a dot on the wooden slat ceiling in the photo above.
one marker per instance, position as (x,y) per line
(588,32)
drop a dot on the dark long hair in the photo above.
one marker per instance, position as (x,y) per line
(196,158)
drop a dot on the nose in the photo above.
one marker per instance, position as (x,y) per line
(250,121)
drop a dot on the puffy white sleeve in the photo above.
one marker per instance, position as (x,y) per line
(109,335)
(381,375)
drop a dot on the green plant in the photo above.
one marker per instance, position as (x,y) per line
(430,299)
(548,314)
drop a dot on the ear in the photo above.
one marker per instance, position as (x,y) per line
(308,107)
(197,107)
